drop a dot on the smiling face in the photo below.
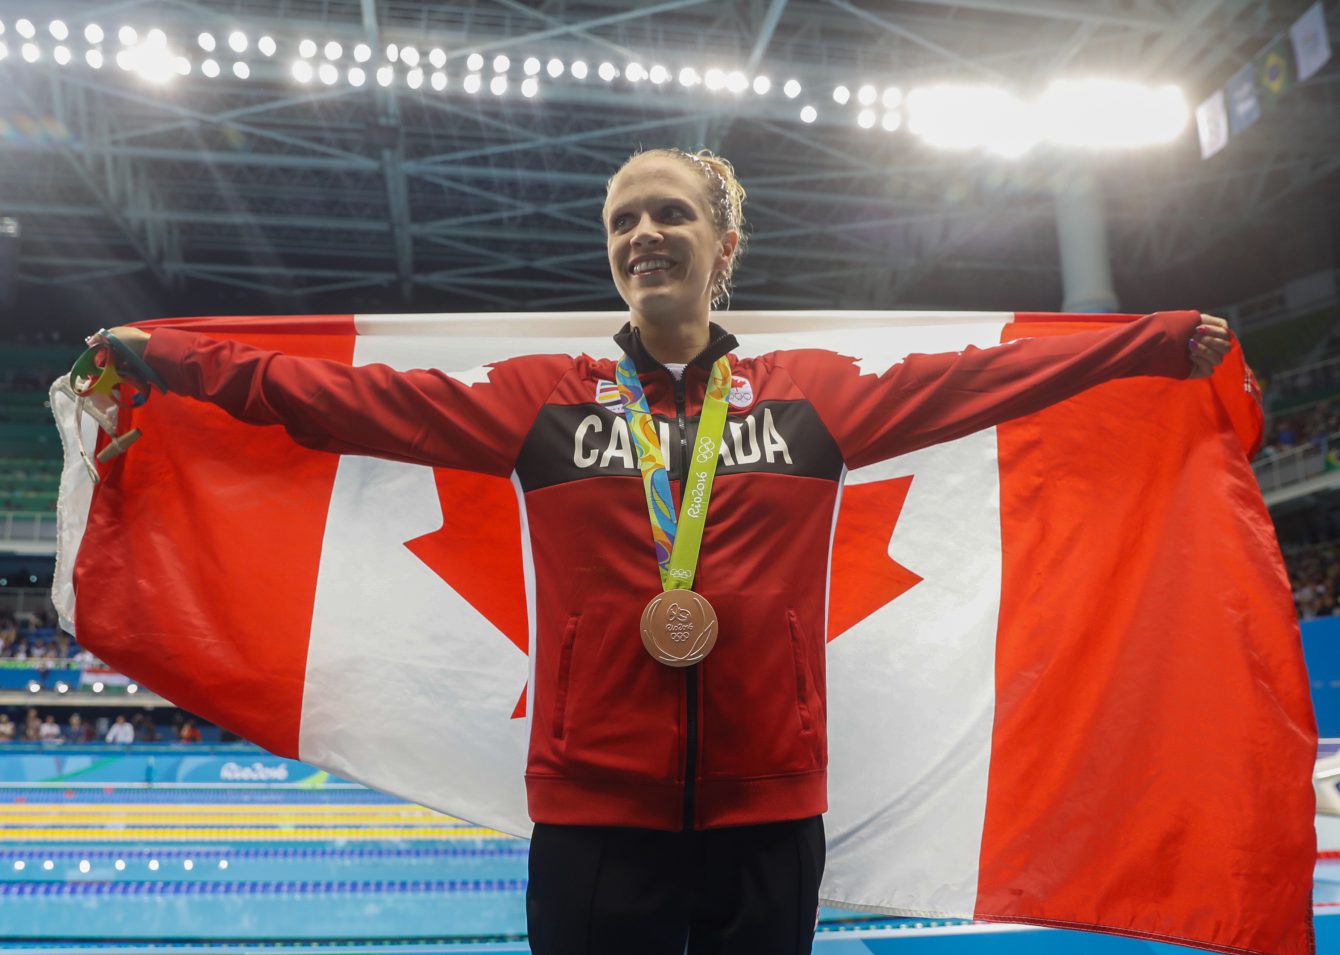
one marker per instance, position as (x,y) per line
(665,250)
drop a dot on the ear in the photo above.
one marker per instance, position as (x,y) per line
(729,242)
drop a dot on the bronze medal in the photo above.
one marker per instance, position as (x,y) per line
(679,628)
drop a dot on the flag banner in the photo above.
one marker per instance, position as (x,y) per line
(1065,682)
(1212,124)
(1274,72)
(1243,107)
(1311,44)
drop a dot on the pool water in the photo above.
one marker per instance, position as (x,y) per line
(116,868)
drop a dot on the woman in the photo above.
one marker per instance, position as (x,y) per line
(677,782)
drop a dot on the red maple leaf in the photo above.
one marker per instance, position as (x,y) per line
(475,552)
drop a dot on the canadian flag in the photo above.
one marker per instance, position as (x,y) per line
(1065,679)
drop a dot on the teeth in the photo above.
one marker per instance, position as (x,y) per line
(646,265)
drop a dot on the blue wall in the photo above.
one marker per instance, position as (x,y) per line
(1321,647)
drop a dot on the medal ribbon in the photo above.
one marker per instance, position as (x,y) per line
(676,553)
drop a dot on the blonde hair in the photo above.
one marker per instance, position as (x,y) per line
(725,197)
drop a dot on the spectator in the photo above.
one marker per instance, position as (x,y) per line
(32,726)
(49,730)
(145,731)
(7,728)
(121,731)
(74,732)
(189,732)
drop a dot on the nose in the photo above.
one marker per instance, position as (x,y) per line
(646,232)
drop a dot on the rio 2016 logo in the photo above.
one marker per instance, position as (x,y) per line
(707,448)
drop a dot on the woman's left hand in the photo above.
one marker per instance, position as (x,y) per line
(1210,343)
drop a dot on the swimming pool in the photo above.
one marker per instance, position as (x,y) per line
(101,867)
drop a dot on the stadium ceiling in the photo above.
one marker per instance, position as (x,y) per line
(392,197)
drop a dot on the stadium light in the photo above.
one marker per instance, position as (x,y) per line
(333,50)
(737,82)
(132,687)
(555,68)
(689,77)
(25,29)
(967,117)
(93,58)
(714,79)
(84,865)
(841,95)
(414,78)
(393,53)
(472,83)
(20,865)
(31,53)
(206,42)
(866,118)
(181,65)
(474,62)
(119,865)
(437,58)
(1110,113)
(156,38)
(187,864)
(211,69)
(93,33)
(61,54)
(439,81)
(579,69)
(241,70)
(501,63)
(127,36)
(307,49)
(98,686)
(267,45)
(892,97)
(362,52)
(658,74)
(385,76)
(409,56)
(153,865)
(791,89)
(634,72)
(357,77)
(237,41)
(327,73)
(34,686)
(608,71)
(62,686)
(59,31)
(762,84)
(529,87)
(891,122)
(223,863)
(808,114)
(531,66)
(498,85)
(866,95)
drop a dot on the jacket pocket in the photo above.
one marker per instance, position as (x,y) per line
(564,674)
(803,676)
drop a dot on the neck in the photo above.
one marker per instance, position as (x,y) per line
(679,342)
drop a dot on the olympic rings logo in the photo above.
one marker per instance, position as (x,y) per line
(705,452)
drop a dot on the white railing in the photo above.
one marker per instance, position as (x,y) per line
(1296,464)
(34,530)
(1305,380)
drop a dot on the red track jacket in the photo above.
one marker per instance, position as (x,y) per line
(616,738)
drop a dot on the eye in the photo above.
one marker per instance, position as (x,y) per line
(619,222)
(673,213)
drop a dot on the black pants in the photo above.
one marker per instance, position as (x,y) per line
(737,891)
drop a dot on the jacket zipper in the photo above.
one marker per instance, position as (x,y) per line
(690,673)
